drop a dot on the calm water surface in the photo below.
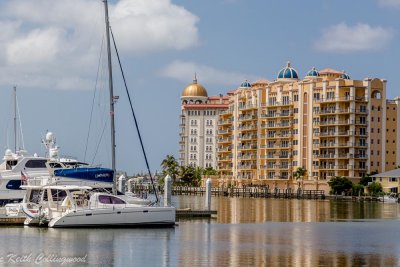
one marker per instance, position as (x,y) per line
(247,232)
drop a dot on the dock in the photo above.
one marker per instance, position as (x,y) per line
(252,192)
(11,220)
(189,213)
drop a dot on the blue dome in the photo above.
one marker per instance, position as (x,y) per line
(287,73)
(345,76)
(245,84)
(313,73)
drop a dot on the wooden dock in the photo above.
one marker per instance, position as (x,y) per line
(189,213)
(10,220)
(253,192)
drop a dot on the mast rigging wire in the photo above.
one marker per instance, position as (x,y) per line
(134,117)
(94,96)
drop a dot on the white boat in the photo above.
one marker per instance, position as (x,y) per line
(391,198)
(80,206)
(19,168)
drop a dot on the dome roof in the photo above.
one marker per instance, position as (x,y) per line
(195,89)
(345,76)
(245,84)
(313,73)
(287,73)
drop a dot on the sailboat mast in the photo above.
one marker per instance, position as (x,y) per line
(111,89)
(15,119)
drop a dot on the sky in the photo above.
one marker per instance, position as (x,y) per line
(53,51)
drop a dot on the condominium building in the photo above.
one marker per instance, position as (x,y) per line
(327,123)
(198,126)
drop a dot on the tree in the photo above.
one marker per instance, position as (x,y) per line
(375,188)
(170,167)
(210,171)
(340,184)
(367,178)
(358,189)
(191,175)
(299,173)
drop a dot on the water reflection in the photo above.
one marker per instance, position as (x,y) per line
(292,244)
(247,232)
(250,210)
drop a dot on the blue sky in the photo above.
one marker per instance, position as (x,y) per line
(50,50)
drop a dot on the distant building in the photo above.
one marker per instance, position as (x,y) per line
(326,123)
(389,180)
(198,126)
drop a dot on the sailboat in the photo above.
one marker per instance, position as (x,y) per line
(20,168)
(80,206)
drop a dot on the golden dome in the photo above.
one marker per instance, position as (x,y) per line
(195,89)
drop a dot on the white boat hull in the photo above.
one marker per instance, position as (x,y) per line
(118,217)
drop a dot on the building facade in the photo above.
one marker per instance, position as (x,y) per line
(326,123)
(198,126)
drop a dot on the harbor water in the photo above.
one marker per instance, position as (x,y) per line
(246,232)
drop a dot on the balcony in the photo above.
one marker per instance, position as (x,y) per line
(248,107)
(247,127)
(247,137)
(335,122)
(225,122)
(224,149)
(247,167)
(247,117)
(225,140)
(224,131)
(335,111)
(277,104)
(251,145)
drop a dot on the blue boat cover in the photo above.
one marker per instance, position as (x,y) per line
(92,174)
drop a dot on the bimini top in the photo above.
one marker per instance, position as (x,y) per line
(245,84)
(313,73)
(287,73)
(194,89)
(345,76)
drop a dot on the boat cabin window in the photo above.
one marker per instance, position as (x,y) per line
(55,165)
(10,164)
(37,163)
(35,196)
(58,195)
(110,200)
(14,185)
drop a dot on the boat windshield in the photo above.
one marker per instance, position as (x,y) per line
(107,199)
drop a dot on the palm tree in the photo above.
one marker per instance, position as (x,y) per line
(299,173)
(170,167)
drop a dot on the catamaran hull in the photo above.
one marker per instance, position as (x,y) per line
(127,217)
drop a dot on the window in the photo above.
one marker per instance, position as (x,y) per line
(37,163)
(14,184)
(296,98)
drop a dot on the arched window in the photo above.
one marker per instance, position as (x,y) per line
(376,94)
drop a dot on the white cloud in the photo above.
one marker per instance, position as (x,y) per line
(56,44)
(389,3)
(361,37)
(184,71)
